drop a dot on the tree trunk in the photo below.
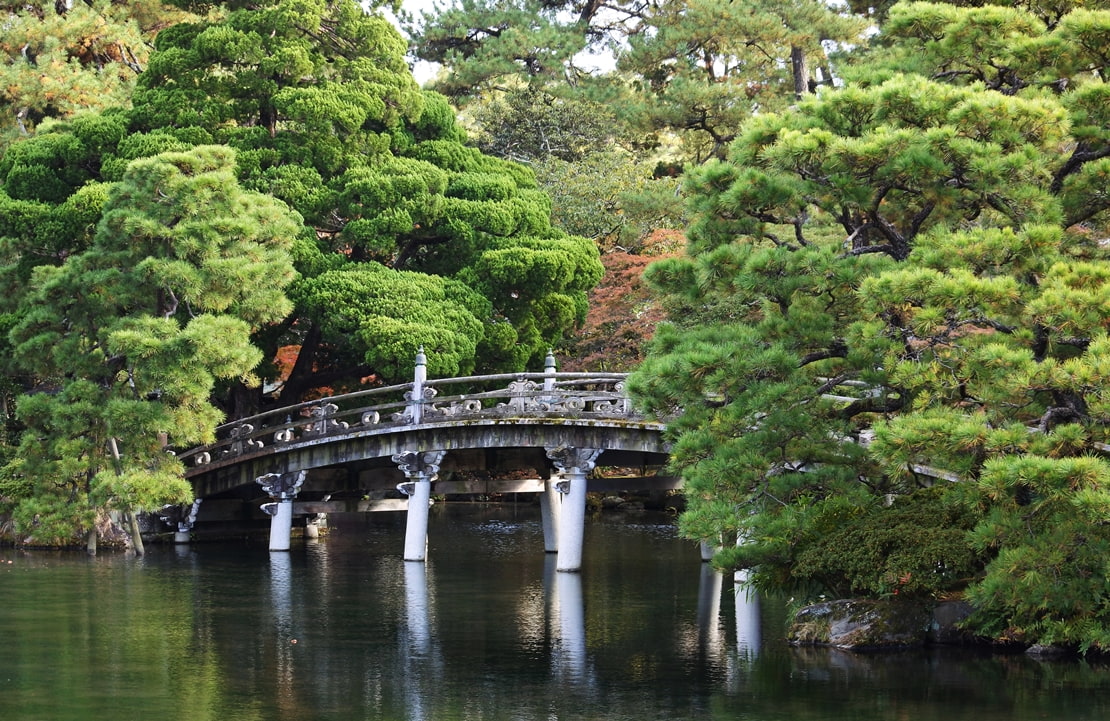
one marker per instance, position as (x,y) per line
(297,383)
(136,534)
(801,72)
(136,537)
(243,401)
(90,541)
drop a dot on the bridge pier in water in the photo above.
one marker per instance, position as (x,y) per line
(573,464)
(420,469)
(283,488)
(551,506)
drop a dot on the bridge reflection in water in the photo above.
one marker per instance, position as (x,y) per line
(551,623)
(388,448)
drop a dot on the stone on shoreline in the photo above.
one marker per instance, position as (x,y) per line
(867,624)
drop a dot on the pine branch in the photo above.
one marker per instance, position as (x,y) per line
(838,349)
(883,404)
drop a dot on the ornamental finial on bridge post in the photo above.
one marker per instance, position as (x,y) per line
(549,371)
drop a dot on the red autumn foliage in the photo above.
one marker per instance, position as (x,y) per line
(622,316)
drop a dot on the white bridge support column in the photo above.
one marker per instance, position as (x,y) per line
(283,488)
(574,464)
(551,506)
(421,468)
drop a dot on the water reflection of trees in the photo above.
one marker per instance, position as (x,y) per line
(478,632)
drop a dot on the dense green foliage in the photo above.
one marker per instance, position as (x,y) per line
(901,283)
(62,58)
(601,187)
(696,68)
(914,547)
(403,236)
(611,100)
(129,337)
(323,113)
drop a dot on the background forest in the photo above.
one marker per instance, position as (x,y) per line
(880,235)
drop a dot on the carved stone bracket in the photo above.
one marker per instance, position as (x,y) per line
(241,441)
(324,420)
(282,486)
(190,520)
(417,465)
(464,407)
(176,515)
(569,458)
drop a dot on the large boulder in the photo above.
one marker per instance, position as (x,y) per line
(862,624)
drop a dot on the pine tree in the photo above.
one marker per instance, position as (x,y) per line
(64,58)
(129,338)
(898,285)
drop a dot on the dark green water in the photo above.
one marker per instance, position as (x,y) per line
(343,629)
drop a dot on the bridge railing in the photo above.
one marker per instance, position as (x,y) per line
(505,395)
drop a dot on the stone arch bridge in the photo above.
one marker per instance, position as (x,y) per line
(391,448)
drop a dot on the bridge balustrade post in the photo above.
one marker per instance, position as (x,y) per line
(283,488)
(421,469)
(419,378)
(574,464)
(549,372)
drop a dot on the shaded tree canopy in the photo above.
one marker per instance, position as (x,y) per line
(400,214)
(694,69)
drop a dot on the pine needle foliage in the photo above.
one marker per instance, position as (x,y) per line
(894,293)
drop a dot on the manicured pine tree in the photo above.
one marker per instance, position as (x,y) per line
(916,260)
(129,337)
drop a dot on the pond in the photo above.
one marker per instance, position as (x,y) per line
(342,628)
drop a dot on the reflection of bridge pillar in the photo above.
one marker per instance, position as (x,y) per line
(709,609)
(281,598)
(416,610)
(572,626)
(283,488)
(574,464)
(421,469)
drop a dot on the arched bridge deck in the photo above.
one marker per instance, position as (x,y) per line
(556,427)
(492,423)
